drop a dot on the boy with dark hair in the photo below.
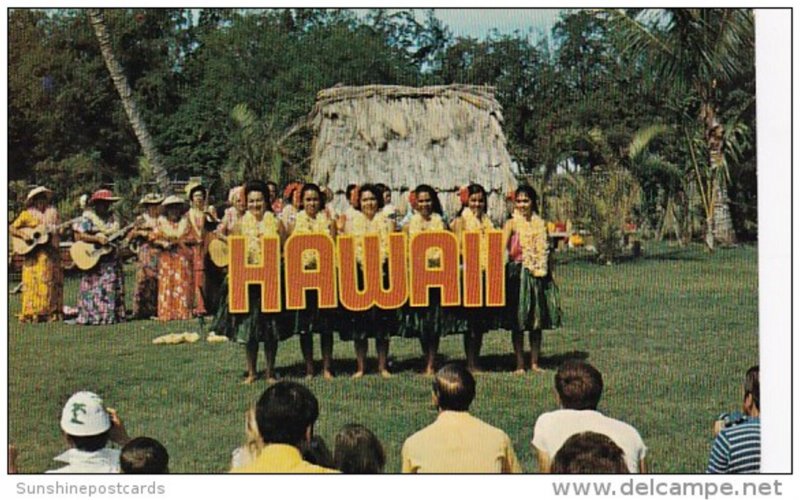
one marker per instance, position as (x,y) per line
(737,445)
(88,426)
(442,448)
(579,386)
(589,453)
(285,416)
(144,455)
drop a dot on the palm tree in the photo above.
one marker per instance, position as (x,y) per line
(695,53)
(128,102)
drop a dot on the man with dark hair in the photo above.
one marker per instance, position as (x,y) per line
(88,427)
(144,455)
(589,453)
(579,386)
(737,445)
(457,441)
(285,416)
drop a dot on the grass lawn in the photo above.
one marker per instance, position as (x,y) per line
(672,333)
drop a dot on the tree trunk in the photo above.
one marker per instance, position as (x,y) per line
(126,94)
(719,226)
(723,224)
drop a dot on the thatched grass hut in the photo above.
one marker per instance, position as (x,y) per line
(445,136)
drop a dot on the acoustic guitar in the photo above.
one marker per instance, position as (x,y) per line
(86,255)
(34,237)
(218,252)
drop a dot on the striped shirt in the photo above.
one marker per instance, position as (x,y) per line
(737,449)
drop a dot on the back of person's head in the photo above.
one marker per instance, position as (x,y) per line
(144,455)
(752,386)
(284,412)
(454,387)
(317,452)
(358,451)
(589,453)
(579,385)
(86,421)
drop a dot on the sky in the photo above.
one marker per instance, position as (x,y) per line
(479,22)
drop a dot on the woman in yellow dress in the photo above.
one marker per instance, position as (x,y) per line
(42,274)
(313,219)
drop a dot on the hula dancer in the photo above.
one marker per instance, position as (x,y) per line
(525,237)
(42,274)
(374,322)
(101,299)
(313,219)
(427,323)
(256,327)
(145,295)
(472,217)
(175,274)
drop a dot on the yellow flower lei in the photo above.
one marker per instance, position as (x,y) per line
(472,223)
(418,224)
(253,230)
(533,240)
(304,224)
(379,225)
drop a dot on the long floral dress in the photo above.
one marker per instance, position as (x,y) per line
(145,295)
(176,291)
(197,219)
(101,298)
(42,275)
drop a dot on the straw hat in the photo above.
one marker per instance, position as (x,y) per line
(33,193)
(173,200)
(193,186)
(103,195)
(151,199)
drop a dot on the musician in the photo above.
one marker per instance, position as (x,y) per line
(176,238)
(42,275)
(101,298)
(145,295)
(198,198)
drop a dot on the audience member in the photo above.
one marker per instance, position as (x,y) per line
(245,454)
(144,455)
(589,453)
(358,451)
(316,452)
(737,445)
(579,386)
(457,441)
(88,427)
(285,417)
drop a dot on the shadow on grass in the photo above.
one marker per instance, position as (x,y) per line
(680,254)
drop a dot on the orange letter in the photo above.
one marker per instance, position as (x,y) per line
(495,271)
(266,274)
(445,277)
(298,280)
(372,292)
(473,284)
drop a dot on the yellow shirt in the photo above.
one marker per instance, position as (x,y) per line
(281,459)
(458,442)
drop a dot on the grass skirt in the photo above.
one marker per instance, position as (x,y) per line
(531,303)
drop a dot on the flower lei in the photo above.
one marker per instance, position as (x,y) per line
(105,227)
(533,240)
(472,223)
(253,230)
(195,215)
(418,224)
(171,229)
(379,225)
(304,224)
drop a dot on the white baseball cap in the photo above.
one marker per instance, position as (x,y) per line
(85,415)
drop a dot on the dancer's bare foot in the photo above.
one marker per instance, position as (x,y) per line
(535,368)
(249,380)
(327,375)
(519,371)
(358,374)
(385,373)
(428,372)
